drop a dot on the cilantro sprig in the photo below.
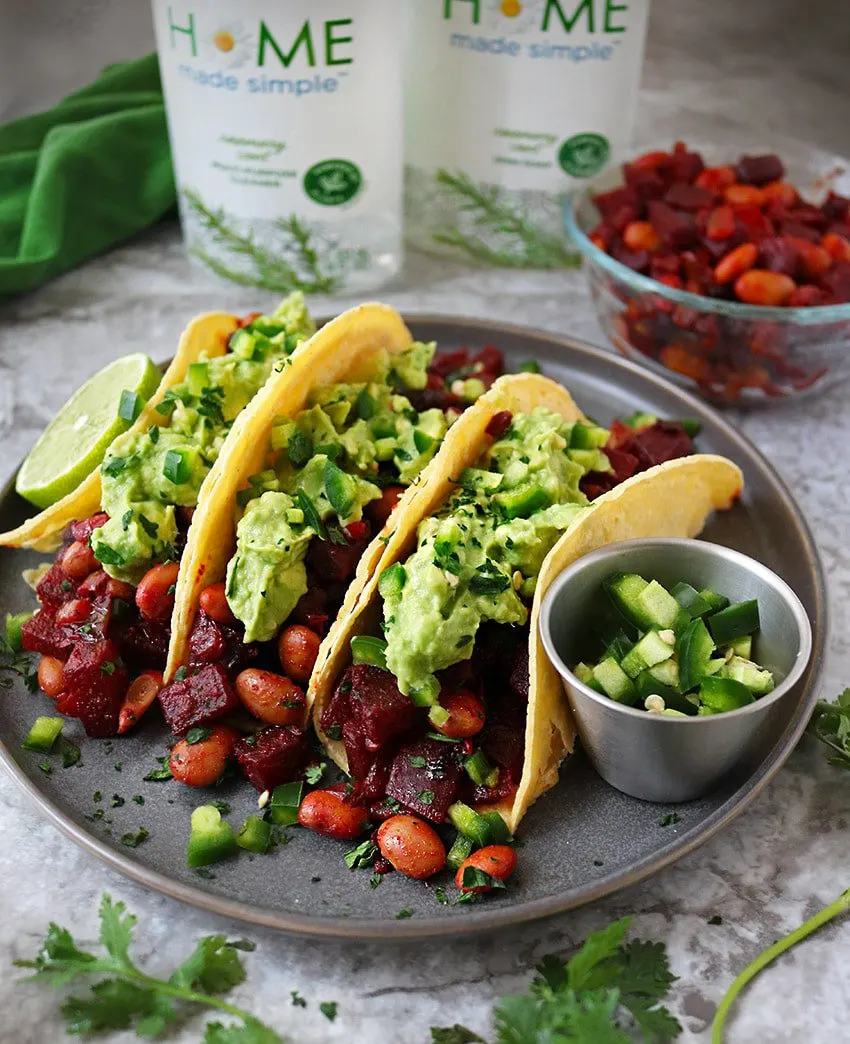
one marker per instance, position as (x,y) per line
(831,725)
(12,656)
(124,997)
(609,987)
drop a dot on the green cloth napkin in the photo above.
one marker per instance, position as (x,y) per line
(84,175)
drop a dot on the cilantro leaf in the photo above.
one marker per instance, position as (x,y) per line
(313,773)
(214,967)
(831,725)
(116,929)
(116,1004)
(329,1010)
(251,1032)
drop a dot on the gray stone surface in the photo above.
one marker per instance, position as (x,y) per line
(712,70)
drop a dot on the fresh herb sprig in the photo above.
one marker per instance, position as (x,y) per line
(608,988)
(525,245)
(270,271)
(831,725)
(124,997)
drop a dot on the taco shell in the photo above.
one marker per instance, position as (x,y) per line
(341,351)
(673,499)
(205,335)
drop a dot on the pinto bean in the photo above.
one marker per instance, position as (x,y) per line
(51,676)
(201,764)
(78,561)
(466,715)
(155,595)
(412,846)
(214,603)
(760,287)
(325,812)
(270,697)
(140,694)
(298,648)
(498,861)
(640,235)
(744,195)
(736,262)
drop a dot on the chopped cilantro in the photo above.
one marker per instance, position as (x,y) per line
(403,914)
(328,1009)
(670,819)
(133,840)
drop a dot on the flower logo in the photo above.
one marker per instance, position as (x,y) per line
(231,42)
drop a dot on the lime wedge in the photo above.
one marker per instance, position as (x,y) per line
(76,440)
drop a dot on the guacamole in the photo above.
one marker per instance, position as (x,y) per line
(146,475)
(334,458)
(479,557)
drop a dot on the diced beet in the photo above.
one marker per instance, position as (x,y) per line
(755,225)
(206,642)
(647,183)
(490,359)
(237,655)
(688,197)
(311,608)
(376,705)
(836,282)
(337,711)
(636,260)
(676,228)
(94,584)
(446,363)
(836,208)
(77,611)
(660,442)
(56,587)
(276,754)
(356,751)
(684,165)
(100,617)
(144,643)
(503,739)
(792,228)
(83,529)
(334,561)
(428,791)
(41,634)
(435,396)
(609,202)
(809,214)
(95,683)
(198,699)
(759,170)
(519,679)
(374,786)
(779,255)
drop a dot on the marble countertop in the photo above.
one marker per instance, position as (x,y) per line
(712,70)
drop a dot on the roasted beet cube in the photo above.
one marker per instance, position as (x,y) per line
(334,561)
(647,183)
(446,363)
(338,708)
(56,587)
(759,170)
(425,778)
(660,442)
(607,203)
(276,754)
(683,165)
(637,260)
(206,642)
(688,197)
(676,228)
(356,750)
(144,643)
(376,705)
(779,255)
(519,677)
(503,739)
(198,699)
(41,634)
(836,282)
(95,680)
(490,359)
(83,529)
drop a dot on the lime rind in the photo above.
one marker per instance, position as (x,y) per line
(76,440)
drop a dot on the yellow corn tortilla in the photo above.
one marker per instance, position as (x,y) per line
(342,351)
(673,499)
(207,334)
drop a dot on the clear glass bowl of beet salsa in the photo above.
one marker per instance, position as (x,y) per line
(726,267)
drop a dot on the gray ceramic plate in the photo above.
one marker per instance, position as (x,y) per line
(582,840)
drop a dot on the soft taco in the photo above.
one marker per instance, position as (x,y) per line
(331,453)
(106,601)
(433,692)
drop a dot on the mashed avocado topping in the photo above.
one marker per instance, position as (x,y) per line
(479,557)
(334,458)
(146,475)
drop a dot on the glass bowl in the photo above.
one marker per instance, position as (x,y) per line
(729,352)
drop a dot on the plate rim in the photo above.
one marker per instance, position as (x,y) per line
(494,918)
